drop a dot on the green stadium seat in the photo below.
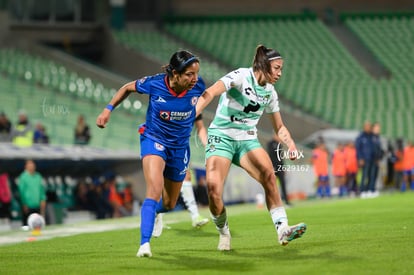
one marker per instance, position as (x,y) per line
(57,107)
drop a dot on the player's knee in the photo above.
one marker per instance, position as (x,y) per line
(169,204)
(214,193)
(269,178)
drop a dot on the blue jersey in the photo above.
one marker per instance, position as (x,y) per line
(170,116)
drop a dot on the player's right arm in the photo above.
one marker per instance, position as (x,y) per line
(119,96)
(283,133)
(201,131)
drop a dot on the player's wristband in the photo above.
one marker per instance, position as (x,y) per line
(110,107)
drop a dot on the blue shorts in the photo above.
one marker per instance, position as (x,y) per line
(176,159)
(408,172)
(323,178)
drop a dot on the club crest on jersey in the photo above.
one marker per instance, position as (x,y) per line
(212,148)
(159,147)
(194,100)
(165,115)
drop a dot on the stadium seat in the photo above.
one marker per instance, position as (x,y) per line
(320,75)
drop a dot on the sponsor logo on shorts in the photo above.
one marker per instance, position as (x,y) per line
(159,147)
(184,171)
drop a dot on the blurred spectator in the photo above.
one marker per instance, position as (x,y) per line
(378,155)
(366,158)
(40,135)
(339,169)
(320,163)
(399,163)
(391,159)
(99,201)
(351,168)
(5,128)
(82,131)
(115,198)
(81,196)
(32,192)
(127,198)
(22,133)
(408,167)
(5,196)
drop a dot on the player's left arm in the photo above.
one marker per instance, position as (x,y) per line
(283,133)
(214,90)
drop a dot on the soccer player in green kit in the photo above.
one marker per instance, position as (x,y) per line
(245,94)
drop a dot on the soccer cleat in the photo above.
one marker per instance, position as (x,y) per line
(289,233)
(158,226)
(200,221)
(224,242)
(144,250)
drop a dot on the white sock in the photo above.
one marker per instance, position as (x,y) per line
(279,217)
(188,196)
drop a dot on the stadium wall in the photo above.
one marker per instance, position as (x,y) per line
(323,8)
(280,6)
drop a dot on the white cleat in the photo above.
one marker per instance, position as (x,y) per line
(224,242)
(144,250)
(158,226)
(289,233)
(200,221)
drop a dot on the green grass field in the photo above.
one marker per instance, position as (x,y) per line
(352,236)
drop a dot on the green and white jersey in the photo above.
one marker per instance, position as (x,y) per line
(242,105)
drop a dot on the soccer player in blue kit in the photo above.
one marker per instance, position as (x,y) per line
(165,135)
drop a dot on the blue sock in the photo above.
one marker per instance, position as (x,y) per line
(403,187)
(319,191)
(342,191)
(327,190)
(412,185)
(147,219)
(160,207)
